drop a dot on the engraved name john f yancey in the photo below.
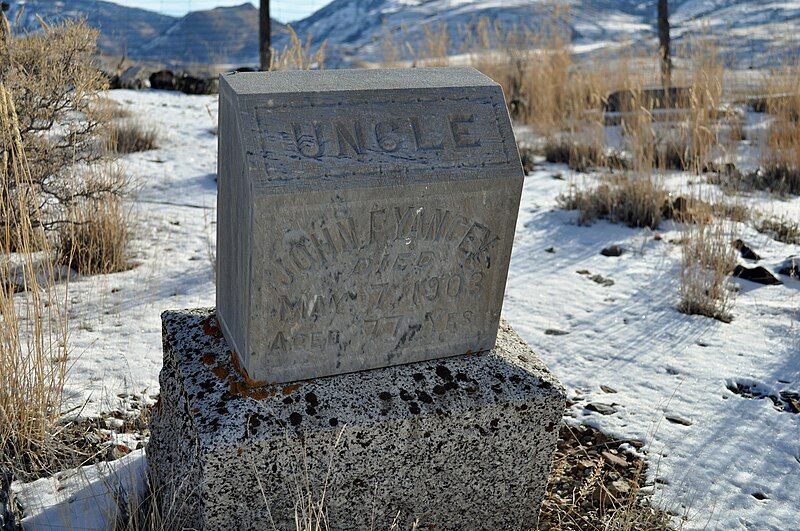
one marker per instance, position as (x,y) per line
(364,227)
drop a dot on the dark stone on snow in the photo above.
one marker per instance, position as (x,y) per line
(790,268)
(759,275)
(746,251)
(163,80)
(186,83)
(603,409)
(680,205)
(189,84)
(612,250)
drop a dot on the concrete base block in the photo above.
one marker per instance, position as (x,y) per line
(464,442)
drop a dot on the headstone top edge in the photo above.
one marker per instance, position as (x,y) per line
(343,80)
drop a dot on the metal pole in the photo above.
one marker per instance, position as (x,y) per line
(264,36)
(664,44)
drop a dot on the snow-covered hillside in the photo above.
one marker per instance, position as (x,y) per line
(720,451)
(751,32)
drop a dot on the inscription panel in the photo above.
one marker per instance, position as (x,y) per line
(396,279)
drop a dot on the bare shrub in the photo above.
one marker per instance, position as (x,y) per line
(33,335)
(95,237)
(783,229)
(130,136)
(64,125)
(55,84)
(580,157)
(708,259)
(635,201)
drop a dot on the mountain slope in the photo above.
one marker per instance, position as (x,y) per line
(354,29)
(224,35)
(122,29)
(752,32)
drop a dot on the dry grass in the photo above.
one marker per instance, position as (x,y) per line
(34,331)
(594,485)
(578,156)
(780,159)
(708,259)
(298,55)
(95,239)
(130,136)
(112,109)
(624,198)
(705,103)
(783,229)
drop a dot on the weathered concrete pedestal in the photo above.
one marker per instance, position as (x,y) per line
(463,442)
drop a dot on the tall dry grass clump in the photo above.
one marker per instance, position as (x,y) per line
(637,201)
(298,55)
(130,136)
(544,87)
(780,157)
(95,238)
(33,325)
(708,259)
(705,106)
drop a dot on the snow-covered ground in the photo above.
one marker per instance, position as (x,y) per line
(723,461)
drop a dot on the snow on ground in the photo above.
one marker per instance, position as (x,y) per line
(711,462)
(630,338)
(116,342)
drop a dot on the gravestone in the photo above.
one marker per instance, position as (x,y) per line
(365,217)
(356,353)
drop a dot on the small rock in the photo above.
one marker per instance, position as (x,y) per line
(678,420)
(759,275)
(117,451)
(746,251)
(612,250)
(614,459)
(550,250)
(603,281)
(603,409)
(583,272)
(790,268)
(619,488)
(555,332)
(607,389)
(112,423)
